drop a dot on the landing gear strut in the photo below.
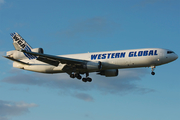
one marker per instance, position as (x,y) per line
(153,67)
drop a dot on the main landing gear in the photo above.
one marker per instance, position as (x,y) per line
(87,78)
(153,67)
(78,76)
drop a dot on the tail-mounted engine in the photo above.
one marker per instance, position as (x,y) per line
(109,73)
(38,50)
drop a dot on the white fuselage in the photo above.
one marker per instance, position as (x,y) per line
(110,60)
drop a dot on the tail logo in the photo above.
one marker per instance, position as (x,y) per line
(22,44)
(19,41)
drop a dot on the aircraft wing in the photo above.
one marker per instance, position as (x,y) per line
(55,60)
(16,60)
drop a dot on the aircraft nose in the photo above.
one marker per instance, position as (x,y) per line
(176,56)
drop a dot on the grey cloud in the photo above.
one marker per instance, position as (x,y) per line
(9,109)
(126,82)
(83,96)
(2,1)
(19,89)
(61,81)
(3,118)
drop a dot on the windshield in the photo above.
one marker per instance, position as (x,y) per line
(170,52)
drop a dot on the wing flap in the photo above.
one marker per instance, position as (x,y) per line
(48,61)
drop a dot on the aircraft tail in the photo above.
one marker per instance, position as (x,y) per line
(20,44)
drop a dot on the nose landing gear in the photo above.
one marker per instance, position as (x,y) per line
(153,67)
(152,73)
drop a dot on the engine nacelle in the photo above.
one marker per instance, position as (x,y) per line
(38,50)
(20,55)
(93,65)
(109,73)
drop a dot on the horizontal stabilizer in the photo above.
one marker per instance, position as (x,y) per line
(10,58)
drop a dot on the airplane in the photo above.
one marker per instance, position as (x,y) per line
(103,63)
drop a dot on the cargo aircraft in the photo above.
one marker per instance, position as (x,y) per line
(104,63)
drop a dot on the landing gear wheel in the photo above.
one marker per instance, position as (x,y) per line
(72,75)
(152,73)
(84,80)
(89,79)
(79,77)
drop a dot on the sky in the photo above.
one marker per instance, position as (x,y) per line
(79,26)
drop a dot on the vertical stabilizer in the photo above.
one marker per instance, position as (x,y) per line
(20,44)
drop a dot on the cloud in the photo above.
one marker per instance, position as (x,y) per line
(19,89)
(83,96)
(9,109)
(126,82)
(2,1)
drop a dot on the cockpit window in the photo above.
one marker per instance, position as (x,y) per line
(169,52)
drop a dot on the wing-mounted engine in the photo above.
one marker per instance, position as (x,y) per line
(20,55)
(109,73)
(93,65)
